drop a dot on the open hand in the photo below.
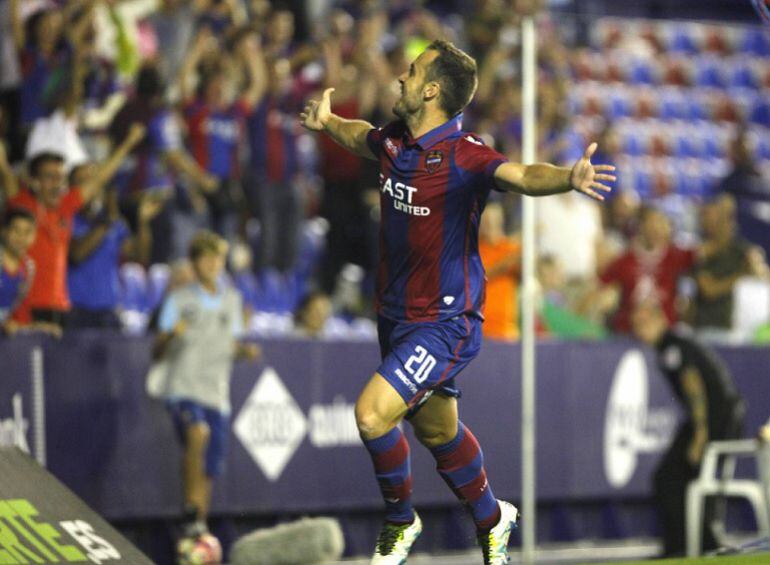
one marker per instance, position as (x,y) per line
(316,113)
(585,177)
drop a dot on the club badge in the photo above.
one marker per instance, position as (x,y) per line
(433,161)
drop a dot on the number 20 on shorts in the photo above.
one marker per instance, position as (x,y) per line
(424,362)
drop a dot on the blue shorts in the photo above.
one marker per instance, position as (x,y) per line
(188,412)
(420,358)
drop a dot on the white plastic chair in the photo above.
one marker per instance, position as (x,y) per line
(711,482)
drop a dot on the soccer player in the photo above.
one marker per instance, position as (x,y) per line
(434,183)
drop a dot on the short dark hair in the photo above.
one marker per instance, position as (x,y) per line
(455,71)
(13,214)
(41,159)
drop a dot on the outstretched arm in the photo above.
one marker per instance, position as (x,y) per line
(542,179)
(110,166)
(351,134)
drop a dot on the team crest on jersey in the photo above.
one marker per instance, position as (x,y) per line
(391,147)
(433,161)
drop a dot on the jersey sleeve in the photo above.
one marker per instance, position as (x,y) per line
(477,162)
(376,137)
(72,202)
(169,315)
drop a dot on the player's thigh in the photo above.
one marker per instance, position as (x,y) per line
(435,423)
(379,407)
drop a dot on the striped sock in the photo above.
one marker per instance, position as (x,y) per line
(390,455)
(461,464)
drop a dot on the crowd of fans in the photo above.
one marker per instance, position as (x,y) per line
(129,125)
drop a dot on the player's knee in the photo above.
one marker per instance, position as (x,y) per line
(370,423)
(434,436)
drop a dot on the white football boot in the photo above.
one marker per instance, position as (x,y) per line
(494,545)
(395,541)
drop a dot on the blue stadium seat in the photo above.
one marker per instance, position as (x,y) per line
(157,281)
(760,113)
(641,71)
(755,41)
(713,146)
(642,182)
(275,292)
(762,150)
(618,104)
(635,143)
(133,288)
(708,73)
(682,41)
(687,145)
(673,105)
(742,76)
(697,108)
(312,245)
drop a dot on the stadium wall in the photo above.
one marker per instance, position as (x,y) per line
(604,416)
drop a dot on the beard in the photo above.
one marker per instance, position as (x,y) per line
(399,108)
(406,109)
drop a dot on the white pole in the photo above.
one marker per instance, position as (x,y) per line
(529,147)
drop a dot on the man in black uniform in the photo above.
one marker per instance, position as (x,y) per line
(714,411)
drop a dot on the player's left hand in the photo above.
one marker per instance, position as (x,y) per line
(585,177)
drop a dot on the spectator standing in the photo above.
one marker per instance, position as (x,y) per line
(200,325)
(100,237)
(17,269)
(725,258)
(649,270)
(570,229)
(273,134)
(54,207)
(153,164)
(752,194)
(501,256)
(343,201)
(215,121)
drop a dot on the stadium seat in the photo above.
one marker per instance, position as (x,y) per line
(618,104)
(682,39)
(741,74)
(760,113)
(755,41)
(708,72)
(635,143)
(686,144)
(276,292)
(133,287)
(157,280)
(698,106)
(672,104)
(641,71)
(762,145)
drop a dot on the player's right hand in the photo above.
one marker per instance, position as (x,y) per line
(316,113)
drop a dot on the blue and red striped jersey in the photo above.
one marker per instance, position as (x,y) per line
(215,136)
(432,192)
(273,134)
